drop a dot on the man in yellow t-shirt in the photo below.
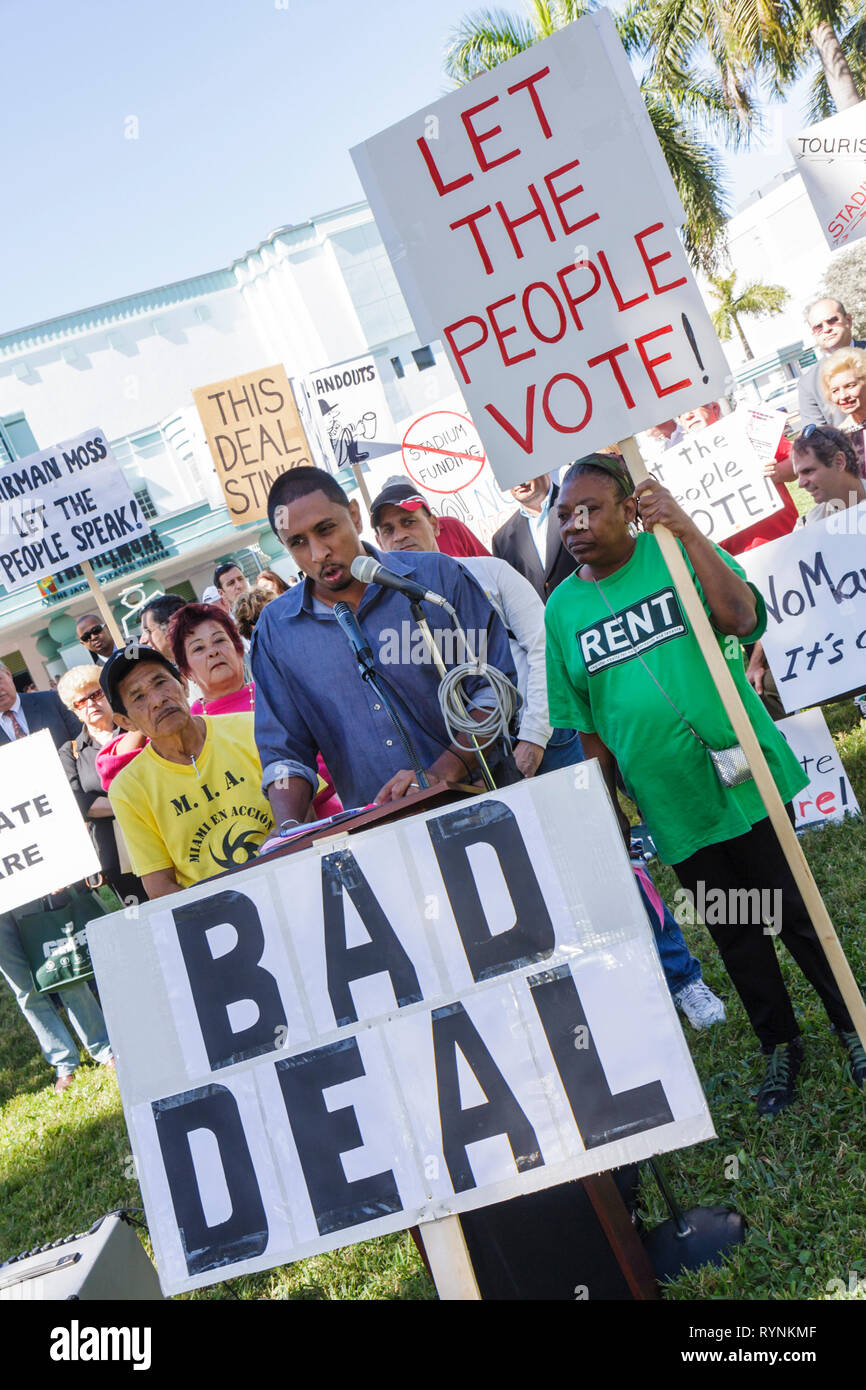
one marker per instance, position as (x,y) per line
(190,804)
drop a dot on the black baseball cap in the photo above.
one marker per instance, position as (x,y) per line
(122,662)
(404,495)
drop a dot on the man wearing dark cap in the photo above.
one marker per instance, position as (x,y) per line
(190,804)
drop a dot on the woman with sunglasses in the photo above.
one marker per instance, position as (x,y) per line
(625,669)
(843,382)
(80,691)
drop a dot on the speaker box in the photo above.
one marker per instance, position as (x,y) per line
(107,1262)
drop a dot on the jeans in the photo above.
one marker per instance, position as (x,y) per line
(82,1008)
(678,963)
(563,750)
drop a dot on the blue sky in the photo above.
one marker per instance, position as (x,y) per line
(246,111)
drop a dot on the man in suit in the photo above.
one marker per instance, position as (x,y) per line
(94,637)
(832,328)
(529,540)
(21,715)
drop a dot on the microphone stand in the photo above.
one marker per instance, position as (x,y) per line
(418,614)
(367,669)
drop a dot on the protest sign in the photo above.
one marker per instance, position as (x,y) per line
(441,446)
(764,429)
(829,795)
(831,158)
(718,478)
(254,434)
(531,223)
(44,844)
(479,983)
(350,413)
(814,584)
(63,506)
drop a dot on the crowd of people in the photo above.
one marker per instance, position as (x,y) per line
(227,723)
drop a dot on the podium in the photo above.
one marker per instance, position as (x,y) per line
(519,1249)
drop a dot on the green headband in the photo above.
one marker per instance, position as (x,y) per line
(614,467)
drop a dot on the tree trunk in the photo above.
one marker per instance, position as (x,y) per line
(750,356)
(840,81)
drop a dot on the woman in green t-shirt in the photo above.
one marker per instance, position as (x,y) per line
(626,670)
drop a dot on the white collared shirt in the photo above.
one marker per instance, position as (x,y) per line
(6,722)
(538,526)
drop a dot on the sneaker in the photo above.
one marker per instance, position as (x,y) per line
(779,1083)
(856,1056)
(701,1007)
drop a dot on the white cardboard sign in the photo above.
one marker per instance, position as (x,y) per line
(829,795)
(44,844)
(814,585)
(718,478)
(61,506)
(531,223)
(831,157)
(429,1017)
(350,413)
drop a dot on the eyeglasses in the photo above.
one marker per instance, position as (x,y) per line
(92,632)
(827,323)
(87,699)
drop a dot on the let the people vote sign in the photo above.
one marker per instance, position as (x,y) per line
(61,506)
(44,844)
(531,222)
(814,584)
(431,1016)
(718,478)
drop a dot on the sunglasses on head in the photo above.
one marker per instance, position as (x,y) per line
(92,632)
(809,431)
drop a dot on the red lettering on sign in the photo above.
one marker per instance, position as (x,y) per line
(610,356)
(651,261)
(652,362)
(571,301)
(441,187)
(538,210)
(460,353)
(548,410)
(563,321)
(529,84)
(621,304)
(825,800)
(559,198)
(470,221)
(477,138)
(502,333)
(525,439)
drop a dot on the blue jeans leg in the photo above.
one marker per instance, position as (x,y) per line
(680,966)
(563,750)
(54,1038)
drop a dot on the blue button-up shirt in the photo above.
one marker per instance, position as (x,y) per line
(310,696)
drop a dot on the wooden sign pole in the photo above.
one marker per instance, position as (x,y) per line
(449,1259)
(102,605)
(747,738)
(362,486)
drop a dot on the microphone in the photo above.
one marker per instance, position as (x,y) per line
(369,571)
(352,628)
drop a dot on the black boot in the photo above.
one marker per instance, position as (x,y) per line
(777,1088)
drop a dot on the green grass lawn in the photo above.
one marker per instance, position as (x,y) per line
(799,1180)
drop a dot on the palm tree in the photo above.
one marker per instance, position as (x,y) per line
(755,299)
(747,41)
(490,37)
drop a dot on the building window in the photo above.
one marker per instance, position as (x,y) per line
(146,504)
(16,438)
(423,358)
(398,366)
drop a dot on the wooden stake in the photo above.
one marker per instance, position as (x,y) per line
(362,485)
(449,1259)
(748,740)
(99,600)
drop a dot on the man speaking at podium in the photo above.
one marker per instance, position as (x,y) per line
(310,696)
